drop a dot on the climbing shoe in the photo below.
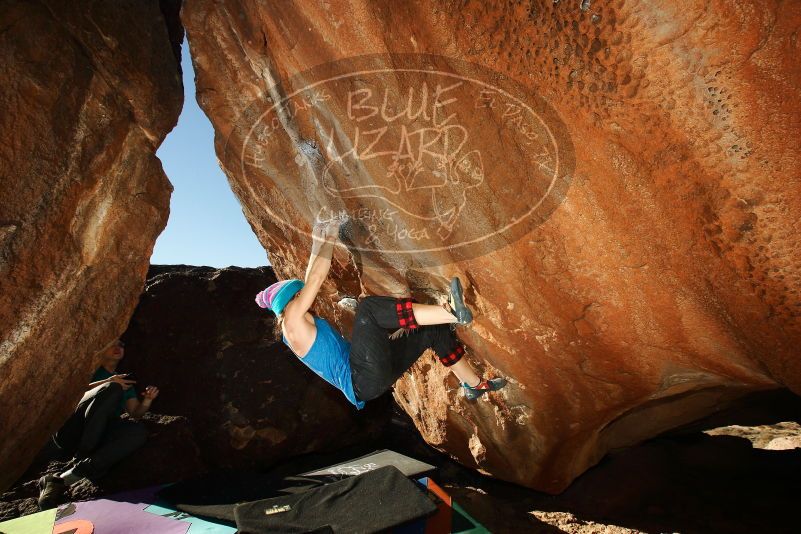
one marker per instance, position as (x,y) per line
(348,303)
(456,303)
(51,491)
(493,384)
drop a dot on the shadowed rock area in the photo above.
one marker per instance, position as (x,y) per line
(90,89)
(198,335)
(235,397)
(616,183)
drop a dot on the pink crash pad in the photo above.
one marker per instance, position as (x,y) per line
(111,517)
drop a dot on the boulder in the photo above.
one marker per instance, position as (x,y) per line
(616,184)
(90,89)
(198,335)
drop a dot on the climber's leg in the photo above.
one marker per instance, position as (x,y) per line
(465,373)
(408,348)
(450,351)
(442,341)
(387,312)
(455,312)
(377,361)
(432,314)
(371,354)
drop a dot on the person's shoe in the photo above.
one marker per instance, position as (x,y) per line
(348,303)
(51,491)
(456,303)
(485,386)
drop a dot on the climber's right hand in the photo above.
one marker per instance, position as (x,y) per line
(332,229)
(327,230)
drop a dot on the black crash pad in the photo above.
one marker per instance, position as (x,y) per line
(370,462)
(370,502)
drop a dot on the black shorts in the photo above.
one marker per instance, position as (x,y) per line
(376,361)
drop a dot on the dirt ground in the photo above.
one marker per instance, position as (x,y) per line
(736,472)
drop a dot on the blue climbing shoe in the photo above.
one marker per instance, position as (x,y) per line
(485,386)
(456,303)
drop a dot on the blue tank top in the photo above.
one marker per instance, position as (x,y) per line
(329,358)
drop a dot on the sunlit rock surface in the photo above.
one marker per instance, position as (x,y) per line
(89,91)
(658,273)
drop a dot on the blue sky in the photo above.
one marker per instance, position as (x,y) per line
(206,225)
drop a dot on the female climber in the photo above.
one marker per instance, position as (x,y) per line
(377,356)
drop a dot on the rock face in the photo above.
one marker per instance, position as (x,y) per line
(198,335)
(617,185)
(89,91)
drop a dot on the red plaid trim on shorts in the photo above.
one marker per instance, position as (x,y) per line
(405,313)
(453,357)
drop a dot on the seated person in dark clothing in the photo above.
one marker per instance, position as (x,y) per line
(95,434)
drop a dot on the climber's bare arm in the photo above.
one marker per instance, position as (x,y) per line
(324,235)
(324,238)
